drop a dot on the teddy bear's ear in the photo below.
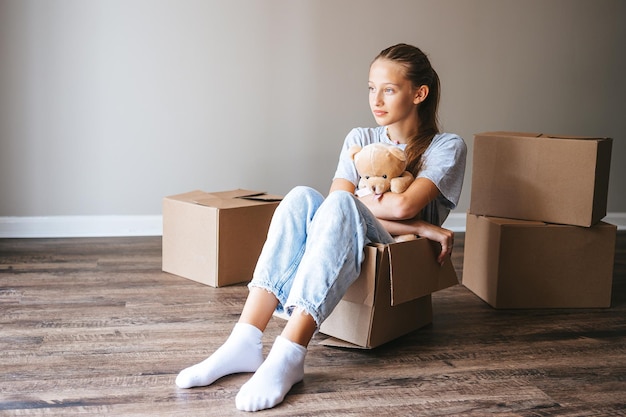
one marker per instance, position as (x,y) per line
(354,149)
(398,153)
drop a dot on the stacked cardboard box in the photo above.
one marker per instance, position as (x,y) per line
(534,236)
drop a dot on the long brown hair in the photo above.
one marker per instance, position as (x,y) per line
(420,72)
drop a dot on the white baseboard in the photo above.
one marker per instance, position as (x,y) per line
(152,225)
(618,219)
(80,226)
(455,222)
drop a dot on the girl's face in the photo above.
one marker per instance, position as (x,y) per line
(393,98)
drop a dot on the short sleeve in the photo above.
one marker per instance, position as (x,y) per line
(444,164)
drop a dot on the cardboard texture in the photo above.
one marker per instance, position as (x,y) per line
(555,179)
(527,264)
(215,238)
(391,297)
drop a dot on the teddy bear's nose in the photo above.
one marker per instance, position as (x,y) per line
(378,189)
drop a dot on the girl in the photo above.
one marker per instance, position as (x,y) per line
(314,246)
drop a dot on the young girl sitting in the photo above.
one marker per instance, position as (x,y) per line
(314,246)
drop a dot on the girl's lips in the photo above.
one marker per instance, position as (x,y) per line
(379,113)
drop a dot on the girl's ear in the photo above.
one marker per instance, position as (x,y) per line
(420,94)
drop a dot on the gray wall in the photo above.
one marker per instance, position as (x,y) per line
(107,106)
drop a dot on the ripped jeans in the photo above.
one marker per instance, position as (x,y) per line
(314,250)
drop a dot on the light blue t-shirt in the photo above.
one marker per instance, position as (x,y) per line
(443,163)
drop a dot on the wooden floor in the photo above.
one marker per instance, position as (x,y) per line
(93,327)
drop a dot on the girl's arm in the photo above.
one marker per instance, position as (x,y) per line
(422,228)
(404,206)
(342,184)
(398,212)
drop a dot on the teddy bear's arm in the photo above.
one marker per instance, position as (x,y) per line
(401,183)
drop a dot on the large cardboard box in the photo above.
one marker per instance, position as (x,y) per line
(215,238)
(527,264)
(391,297)
(529,176)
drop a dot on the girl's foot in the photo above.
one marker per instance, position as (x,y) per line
(283,368)
(242,352)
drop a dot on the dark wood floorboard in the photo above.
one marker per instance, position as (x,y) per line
(93,327)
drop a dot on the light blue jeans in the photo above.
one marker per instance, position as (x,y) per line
(314,250)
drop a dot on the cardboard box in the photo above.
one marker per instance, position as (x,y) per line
(215,238)
(525,264)
(528,176)
(391,297)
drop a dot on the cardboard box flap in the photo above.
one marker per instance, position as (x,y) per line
(262,197)
(423,278)
(334,342)
(512,222)
(505,134)
(594,138)
(238,193)
(500,133)
(362,290)
(189,197)
(230,199)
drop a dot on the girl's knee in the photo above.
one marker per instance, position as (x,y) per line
(303,192)
(301,198)
(341,198)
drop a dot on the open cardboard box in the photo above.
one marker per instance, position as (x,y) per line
(215,238)
(391,297)
(531,176)
(527,264)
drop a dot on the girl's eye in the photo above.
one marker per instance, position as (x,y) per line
(388,90)
(372,89)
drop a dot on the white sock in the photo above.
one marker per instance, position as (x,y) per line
(242,352)
(283,368)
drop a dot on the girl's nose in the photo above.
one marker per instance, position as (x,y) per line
(378,99)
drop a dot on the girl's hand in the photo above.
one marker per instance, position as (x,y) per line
(438,234)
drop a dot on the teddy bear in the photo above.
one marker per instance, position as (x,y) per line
(382,168)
